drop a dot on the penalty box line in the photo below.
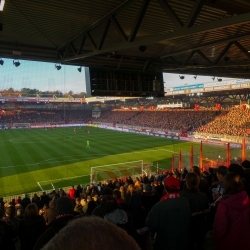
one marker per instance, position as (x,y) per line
(59,180)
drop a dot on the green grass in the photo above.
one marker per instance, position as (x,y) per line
(61,157)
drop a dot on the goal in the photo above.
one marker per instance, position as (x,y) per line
(120,170)
(21,125)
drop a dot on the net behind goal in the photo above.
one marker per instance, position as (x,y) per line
(120,170)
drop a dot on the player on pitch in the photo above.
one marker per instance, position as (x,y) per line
(75,130)
(87,145)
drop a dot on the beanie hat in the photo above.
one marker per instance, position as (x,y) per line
(64,205)
(221,170)
(172,182)
(148,188)
(235,168)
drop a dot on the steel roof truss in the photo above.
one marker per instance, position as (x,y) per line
(194,13)
(138,20)
(170,13)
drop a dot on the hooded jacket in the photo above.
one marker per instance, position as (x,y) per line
(231,226)
(72,193)
(117,217)
(49,214)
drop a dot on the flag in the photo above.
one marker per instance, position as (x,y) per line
(142,108)
(244,107)
(122,108)
(130,107)
(152,107)
(197,106)
(218,106)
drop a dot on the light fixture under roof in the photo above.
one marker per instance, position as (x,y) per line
(58,66)
(2,2)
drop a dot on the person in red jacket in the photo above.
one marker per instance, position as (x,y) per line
(231,226)
(72,193)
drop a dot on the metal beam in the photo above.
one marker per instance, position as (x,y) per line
(189,57)
(242,49)
(174,60)
(105,32)
(120,62)
(203,57)
(91,40)
(145,66)
(171,14)
(224,51)
(66,51)
(82,44)
(119,29)
(104,19)
(194,13)
(72,48)
(213,26)
(214,43)
(138,20)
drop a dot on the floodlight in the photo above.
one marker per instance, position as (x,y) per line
(1,62)
(219,79)
(17,63)
(213,78)
(142,48)
(195,77)
(182,77)
(2,2)
(58,66)
(79,69)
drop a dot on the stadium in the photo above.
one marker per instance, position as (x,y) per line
(127,125)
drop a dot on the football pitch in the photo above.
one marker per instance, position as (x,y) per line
(33,159)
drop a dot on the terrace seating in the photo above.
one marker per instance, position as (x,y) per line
(124,205)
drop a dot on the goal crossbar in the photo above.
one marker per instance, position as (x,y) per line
(116,170)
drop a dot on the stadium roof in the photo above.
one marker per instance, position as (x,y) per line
(207,37)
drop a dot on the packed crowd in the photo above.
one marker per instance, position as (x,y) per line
(167,120)
(115,117)
(234,122)
(187,210)
(38,117)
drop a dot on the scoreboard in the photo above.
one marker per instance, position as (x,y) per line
(96,111)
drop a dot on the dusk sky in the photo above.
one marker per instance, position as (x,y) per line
(45,77)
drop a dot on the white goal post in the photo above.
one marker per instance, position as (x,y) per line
(119,170)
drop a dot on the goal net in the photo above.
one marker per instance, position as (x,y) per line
(120,170)
(21,125)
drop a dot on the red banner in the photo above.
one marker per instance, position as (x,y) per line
(152,107)
(244,107)
(122,108)
(218,106)
(130,107)
(164,108)
(197,106)
(142,108)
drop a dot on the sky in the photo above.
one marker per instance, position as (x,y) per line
(42,76)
